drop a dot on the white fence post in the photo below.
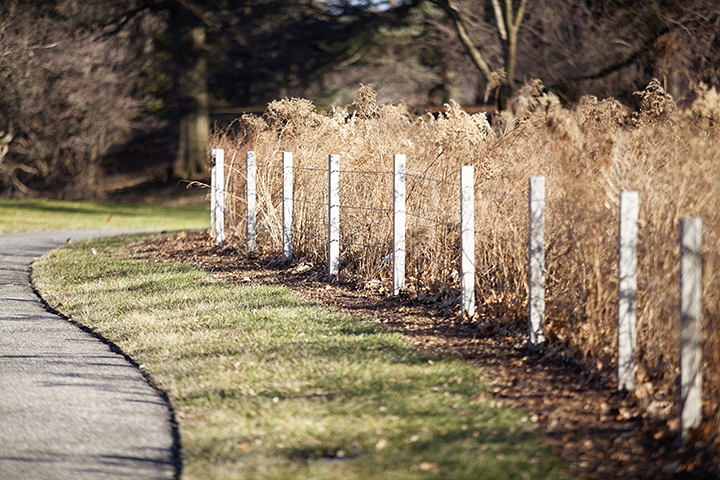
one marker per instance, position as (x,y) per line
(690,309)
(287,205)
(212,192)
(251,194)
(627,285)
(218,194)
(467,227)
(333,216)
(398,254)
(536,263)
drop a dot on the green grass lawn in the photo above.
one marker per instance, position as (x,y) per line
(268,385)
(32,215)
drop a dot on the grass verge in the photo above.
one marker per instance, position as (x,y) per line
(32,215)
(269,385)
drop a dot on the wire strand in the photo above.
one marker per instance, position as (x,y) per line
(445,182)
(367,172)
(372,209)
(454,225)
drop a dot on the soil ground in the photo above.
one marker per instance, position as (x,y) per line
(600,433)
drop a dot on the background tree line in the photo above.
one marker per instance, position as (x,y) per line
(81,78)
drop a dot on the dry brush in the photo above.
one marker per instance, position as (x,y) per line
(588,153)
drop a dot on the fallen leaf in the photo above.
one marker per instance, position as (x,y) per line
(478,398)
(429,467)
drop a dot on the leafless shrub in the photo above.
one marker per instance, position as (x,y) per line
(68,92)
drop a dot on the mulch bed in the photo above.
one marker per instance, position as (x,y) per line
(600,433)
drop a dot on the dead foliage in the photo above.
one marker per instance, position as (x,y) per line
(588,153)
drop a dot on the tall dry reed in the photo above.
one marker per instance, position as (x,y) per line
(588,153)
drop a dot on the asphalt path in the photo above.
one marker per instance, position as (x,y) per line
(70,406)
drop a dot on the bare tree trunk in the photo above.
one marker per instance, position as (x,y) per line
(190,93)
(508,24)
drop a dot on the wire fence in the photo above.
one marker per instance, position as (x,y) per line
(572,248)
(580,263)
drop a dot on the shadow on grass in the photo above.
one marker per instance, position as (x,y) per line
(87,208)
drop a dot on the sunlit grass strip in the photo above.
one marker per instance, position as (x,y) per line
(268,385)
(32,215)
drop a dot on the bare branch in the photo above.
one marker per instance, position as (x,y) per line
(500,20)
(514,21)
(7,136)
(5,141)
(475,55)
(513,26)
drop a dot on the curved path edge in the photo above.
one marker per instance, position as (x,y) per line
(71,405)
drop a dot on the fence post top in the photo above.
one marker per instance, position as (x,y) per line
(690,233)
(217,157)
(536,188)
(467,178)
(690,226)
(691,221)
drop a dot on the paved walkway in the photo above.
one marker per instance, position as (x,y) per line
(70,408)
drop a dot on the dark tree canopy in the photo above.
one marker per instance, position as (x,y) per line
(78,78)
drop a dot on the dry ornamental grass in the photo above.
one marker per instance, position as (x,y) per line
(589,154)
